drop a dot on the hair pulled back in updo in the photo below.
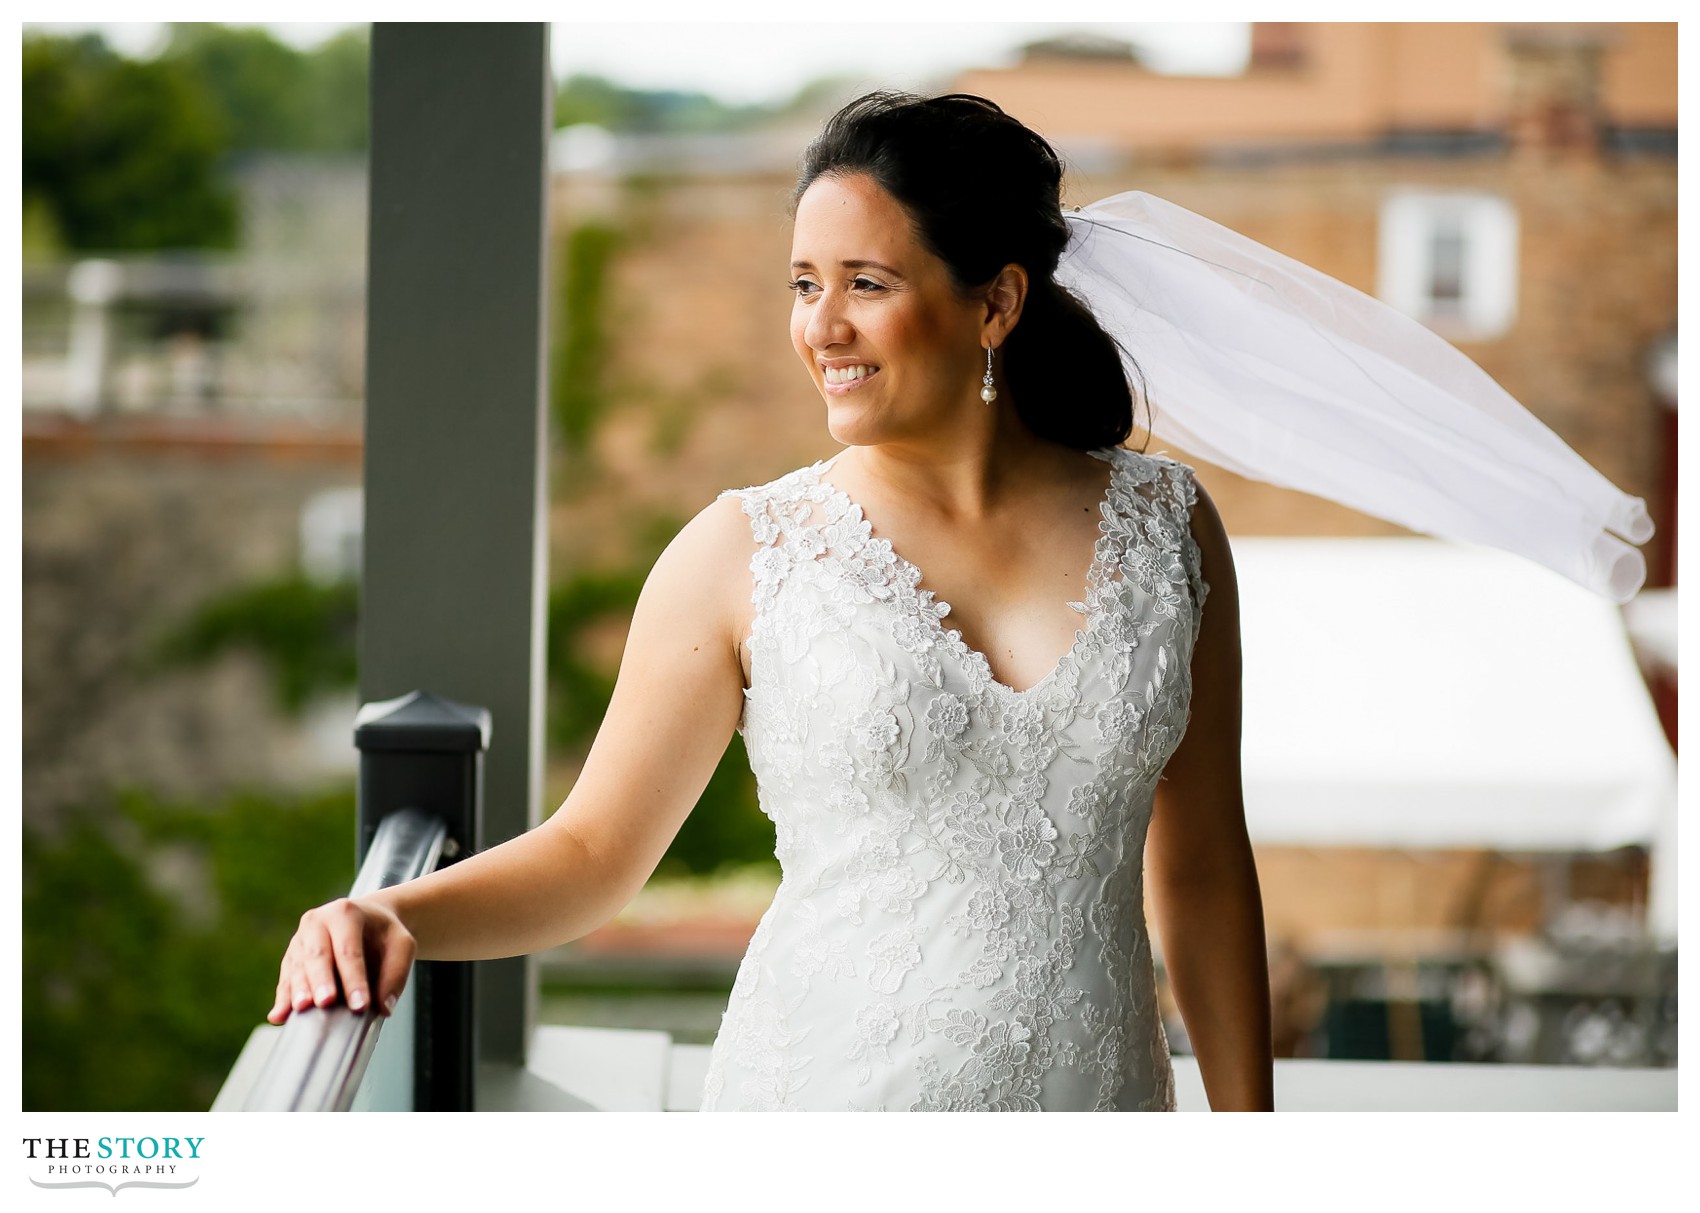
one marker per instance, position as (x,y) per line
(983,192)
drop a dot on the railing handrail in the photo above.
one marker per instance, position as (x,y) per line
(320,1056)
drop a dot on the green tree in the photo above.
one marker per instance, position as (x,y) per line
(121,155)
(584,97)
(151,939)
(339,71)
(302,629)
(595,100)
(275,97)
(127,155)
(257,81)
(578,387)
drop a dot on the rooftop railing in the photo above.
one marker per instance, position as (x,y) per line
(320,1056)
(421,793)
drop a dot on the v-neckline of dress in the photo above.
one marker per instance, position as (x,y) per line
(925,601)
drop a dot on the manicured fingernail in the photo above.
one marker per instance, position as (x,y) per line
(324,993)
(357,1000)
(389,1005)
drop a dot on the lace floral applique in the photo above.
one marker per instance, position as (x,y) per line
(876,1027)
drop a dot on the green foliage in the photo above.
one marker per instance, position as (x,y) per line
(578,364)
(143,974)
(274,97)
(339,74)
(578,691)
(598,100)
(41,235)
(592,99)
(255,79)
(122,155)
(727,828)
(303,629)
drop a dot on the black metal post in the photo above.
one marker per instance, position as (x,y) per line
(427,753)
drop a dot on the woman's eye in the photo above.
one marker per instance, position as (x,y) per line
(806,289)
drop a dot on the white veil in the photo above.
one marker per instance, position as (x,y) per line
(1278,372)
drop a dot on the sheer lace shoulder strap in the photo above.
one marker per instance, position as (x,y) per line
(1173,489)
(775,510)
(757,503)
(1183,490)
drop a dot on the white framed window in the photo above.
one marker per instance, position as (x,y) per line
(1449,260)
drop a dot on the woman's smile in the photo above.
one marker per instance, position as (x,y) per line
(843,376)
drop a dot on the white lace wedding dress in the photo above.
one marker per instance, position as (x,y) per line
(960,923)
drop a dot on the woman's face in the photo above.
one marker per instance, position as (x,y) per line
(889,342)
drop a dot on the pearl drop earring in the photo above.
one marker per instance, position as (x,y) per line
(989,391)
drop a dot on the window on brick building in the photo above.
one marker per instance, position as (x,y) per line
(332,526)
(1449,260)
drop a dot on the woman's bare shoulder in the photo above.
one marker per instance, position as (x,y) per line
(1207,527)
(709,558)
(713,549)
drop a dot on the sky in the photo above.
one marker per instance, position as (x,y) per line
(745,61)
(769,61)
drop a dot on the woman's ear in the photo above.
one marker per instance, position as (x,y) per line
(1004,300)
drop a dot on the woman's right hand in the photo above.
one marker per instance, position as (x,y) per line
(335,950)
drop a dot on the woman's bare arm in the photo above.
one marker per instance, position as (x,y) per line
(676,702)
(1199,865)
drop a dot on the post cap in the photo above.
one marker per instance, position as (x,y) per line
(421,721)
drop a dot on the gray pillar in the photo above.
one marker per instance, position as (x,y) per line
(455,577)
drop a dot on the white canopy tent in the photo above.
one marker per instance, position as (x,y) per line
(1408,693)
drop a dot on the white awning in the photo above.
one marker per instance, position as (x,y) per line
(1416,694)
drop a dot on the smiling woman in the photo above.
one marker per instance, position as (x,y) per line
(974,795)
(963,824)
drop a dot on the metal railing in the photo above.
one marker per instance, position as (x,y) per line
(420,807)
(320,1056)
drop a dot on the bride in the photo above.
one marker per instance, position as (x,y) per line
(985,659)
